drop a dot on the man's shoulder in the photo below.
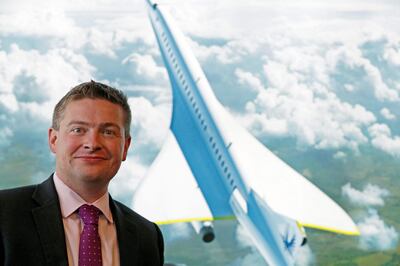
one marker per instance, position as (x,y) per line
(15,200)
(18,193)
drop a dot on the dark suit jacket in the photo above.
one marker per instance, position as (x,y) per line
(32,232)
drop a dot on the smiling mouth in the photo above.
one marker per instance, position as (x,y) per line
(91,158)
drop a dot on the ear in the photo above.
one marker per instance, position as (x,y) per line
(52,138)
(126,147)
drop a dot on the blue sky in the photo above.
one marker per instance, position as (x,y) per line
(321,76)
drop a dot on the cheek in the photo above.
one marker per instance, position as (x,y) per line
(117,150)
(68,145)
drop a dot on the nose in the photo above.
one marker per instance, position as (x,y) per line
(92,142)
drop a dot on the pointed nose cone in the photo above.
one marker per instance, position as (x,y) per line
(151,3)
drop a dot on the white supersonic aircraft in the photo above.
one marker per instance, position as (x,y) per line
(210,168)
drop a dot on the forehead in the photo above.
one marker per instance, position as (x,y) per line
(93,110)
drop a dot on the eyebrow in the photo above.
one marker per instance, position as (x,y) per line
(102,125)
(109,124)
(75,122)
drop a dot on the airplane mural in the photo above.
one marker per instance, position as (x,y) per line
(210,168)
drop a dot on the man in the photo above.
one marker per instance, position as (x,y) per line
(70,219)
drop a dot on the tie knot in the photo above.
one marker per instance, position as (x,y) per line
(89,214)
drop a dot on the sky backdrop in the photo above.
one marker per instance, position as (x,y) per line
(317,82)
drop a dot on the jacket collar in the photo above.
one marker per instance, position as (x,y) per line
(49,225)
(127,236)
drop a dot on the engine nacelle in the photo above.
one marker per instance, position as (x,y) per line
(205,230)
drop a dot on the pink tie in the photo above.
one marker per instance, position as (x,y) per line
(89,244)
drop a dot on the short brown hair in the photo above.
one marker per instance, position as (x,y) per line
(93,90)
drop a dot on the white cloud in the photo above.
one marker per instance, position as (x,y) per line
(248,79)
(5,134)
(229,53)
(8,101)
(242,237)
(101,42)
(177,231)
(53,26)
(349,87)
(387,114)
(371,195)
(251,258)
(50,75)
(340,155)
(127,179)
(353,57)
(72,5)
(244,241)
(305,60)
(381,138)
(56,27)
(292,109)
(392,55)
(304,256)
(146,67)
(261,124)
(151,122)
(375,234)
(37,22)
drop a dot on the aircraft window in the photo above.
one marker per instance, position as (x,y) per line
(225,169)
(216,151)
(200,117)
(180,76)
(163,33)
(213,145)
(205,128)
(229,175)
(202,121)
(222,163)
(210,139)
(186,87)
(184,82)
(169,50)
(197,110)
(231,182)
(219,158)
(191,99)
(175,65)
(179,71)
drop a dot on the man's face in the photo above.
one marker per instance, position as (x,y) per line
(90,143)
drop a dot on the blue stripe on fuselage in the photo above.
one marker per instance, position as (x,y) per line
(191,138)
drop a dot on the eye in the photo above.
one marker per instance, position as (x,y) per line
(77,130)
(109,132)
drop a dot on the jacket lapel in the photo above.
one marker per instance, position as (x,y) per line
(48,221)
(127,237)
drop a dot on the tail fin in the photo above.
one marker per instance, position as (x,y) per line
(291,232)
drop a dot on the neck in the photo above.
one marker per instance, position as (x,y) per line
(88,191)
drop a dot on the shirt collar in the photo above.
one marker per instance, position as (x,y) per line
(70,201)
